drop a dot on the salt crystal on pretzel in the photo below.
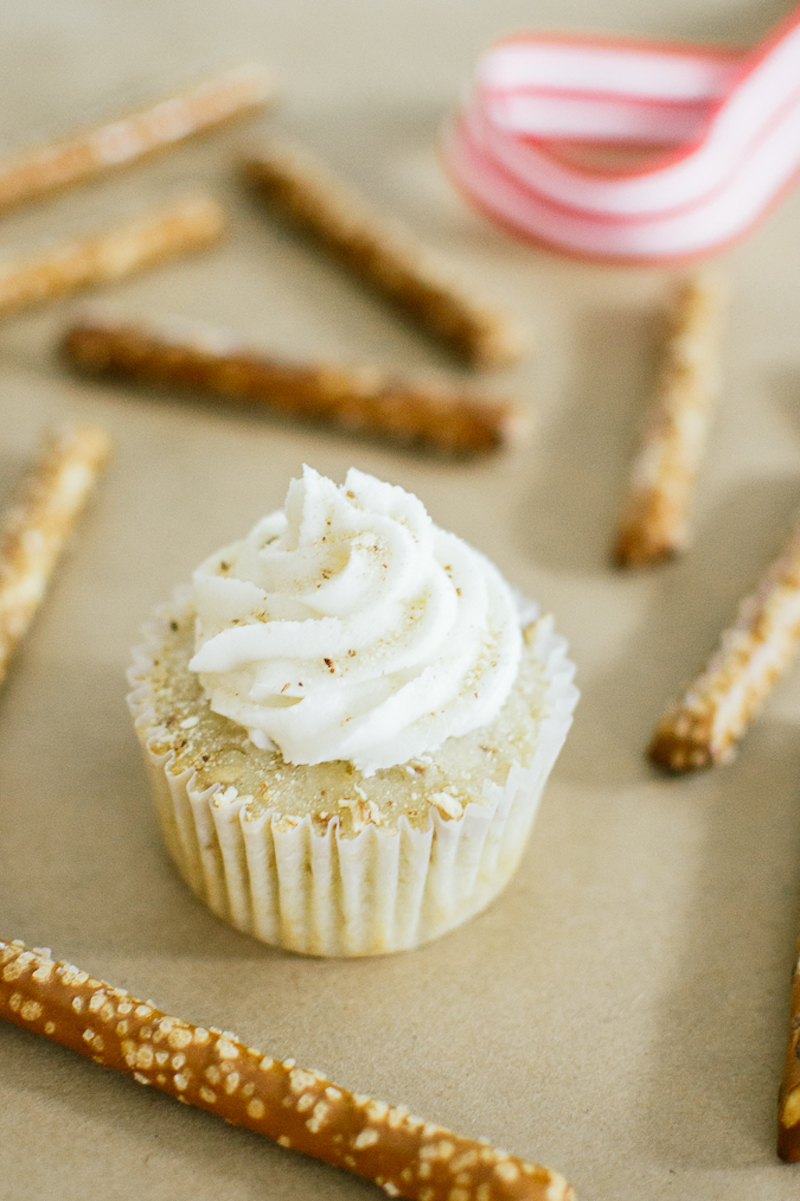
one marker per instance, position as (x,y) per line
(789,1095)
(704,726)
(299,1108)
(180,227)
(450,420)
(35,528)
(36,172)
(384,254)
(654,521)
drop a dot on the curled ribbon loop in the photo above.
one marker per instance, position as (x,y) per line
(722,130)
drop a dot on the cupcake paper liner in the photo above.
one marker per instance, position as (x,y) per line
(382,890)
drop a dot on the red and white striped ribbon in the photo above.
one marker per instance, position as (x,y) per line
(723,131)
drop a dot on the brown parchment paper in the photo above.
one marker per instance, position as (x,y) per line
(619,1013)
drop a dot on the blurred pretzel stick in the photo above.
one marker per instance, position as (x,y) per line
(704,726)
(789,1095)
(449,420)
(382,253)
(36,172)
(35,528)
(654,521)
(299,1108)
(178,228)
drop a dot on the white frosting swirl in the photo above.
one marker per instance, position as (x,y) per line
(348,626)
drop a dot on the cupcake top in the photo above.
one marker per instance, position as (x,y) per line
(347,626)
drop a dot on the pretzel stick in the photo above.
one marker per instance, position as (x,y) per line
(385,255)
(35,529)
(212,1069)
(448,420)
(714,712)
(182,226)
(654,521)
(34,173)
(789,1095)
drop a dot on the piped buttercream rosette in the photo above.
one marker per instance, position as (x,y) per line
(349,626)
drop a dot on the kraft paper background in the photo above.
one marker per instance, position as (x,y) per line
(619,1013)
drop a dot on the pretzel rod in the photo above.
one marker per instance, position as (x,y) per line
(789,1095)
(383,254)
(654,521)
(178,228)
(35,529)
(36,172)
(714,712)
(298,1108)
(448,420)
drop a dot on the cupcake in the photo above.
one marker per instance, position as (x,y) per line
(348,719)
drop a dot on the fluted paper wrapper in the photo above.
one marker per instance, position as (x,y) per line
(382,890)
